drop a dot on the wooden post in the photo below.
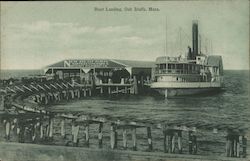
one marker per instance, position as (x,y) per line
(51,120)
(46,99)
(63,128)
(227,146)
(87,134)
(41,130)
(33,133)
(75,131)
(142,81)
(195,148)
(21,134)
(165,141)
(90,92)
(109,89)
(190,142)
(124,136)
(84,92)
(7,129)
(100,134)
(112,136)
(135,85)
(173,142)
(79,93)
(238,146)
(117,89)
(179,141)
(235,146)
(134,138)
(72,94)
(101,90)
(150,146)
(244,147)
(230,146)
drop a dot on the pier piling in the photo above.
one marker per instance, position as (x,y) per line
(112,136)
(124,137)
(100,136)
(179,141)
(134,138)
(150,146)
(87,134)
(63,128)
(75,131)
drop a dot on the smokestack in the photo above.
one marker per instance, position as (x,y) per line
(195,39)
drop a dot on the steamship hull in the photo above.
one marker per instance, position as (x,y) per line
(185,89)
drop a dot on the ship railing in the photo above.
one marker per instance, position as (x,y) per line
(176,71)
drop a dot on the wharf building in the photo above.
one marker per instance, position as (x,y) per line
(101,71)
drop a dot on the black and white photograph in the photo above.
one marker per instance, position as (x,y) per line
(165,80)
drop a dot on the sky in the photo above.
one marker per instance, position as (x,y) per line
(36,34)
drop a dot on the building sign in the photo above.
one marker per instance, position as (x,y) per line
(87,63)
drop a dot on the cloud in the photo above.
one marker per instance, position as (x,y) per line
(137,40)
(114,29)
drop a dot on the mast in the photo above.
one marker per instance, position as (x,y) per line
(166,41)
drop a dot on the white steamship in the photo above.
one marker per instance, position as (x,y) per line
(193,74)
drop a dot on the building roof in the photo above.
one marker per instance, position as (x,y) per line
(101,63)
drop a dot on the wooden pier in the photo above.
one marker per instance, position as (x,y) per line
(26,119)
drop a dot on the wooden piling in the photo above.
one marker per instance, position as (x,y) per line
(238,146)
(173,142)
(165,141)
(150,145)
(75,131)
(180,141)
(34,131)
(134,138)
(124,138)
(41,130)
(51,120)
(195,145)
(90,92)
(117,89)
(190,142)
(100,136)
(112,136)
(7,129)
(72,94)
(101,90)
(109,90)
(244,147)
(84,92)
(63,128)
(135,85)
(87,135)
(227,146)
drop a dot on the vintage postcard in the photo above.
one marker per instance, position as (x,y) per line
(124,80)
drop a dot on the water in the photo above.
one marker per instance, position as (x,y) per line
(229,108)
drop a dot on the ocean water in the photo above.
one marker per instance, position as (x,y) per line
(228,108)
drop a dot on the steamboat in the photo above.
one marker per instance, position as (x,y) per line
(195,73)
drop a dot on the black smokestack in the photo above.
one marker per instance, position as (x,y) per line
(195,39)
